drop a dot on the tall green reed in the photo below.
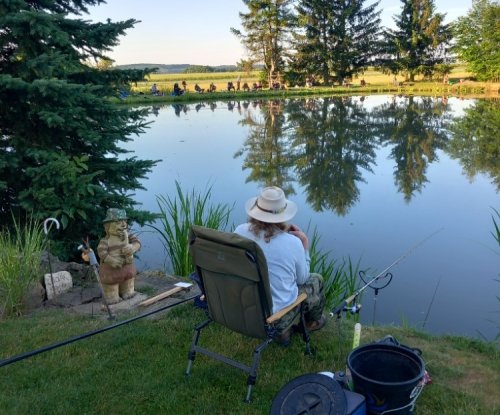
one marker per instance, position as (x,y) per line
(340,276)
(178,213)
(20,255)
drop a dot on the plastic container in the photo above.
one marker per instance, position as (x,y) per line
(317,394)
(389,376)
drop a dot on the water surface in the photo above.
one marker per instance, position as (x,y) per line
(375,175)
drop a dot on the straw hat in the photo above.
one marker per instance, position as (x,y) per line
(271,206)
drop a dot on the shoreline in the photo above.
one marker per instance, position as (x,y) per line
(465,90)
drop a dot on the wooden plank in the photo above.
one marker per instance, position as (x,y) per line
(161,296)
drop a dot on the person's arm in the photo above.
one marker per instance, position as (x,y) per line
(303,261)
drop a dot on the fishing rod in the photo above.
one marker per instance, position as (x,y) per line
(343,306)
(88,255)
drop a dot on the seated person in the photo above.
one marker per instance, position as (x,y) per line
(184,86)
(246,87)
(198,89)
(286,249)
(254,86)
(212,87)
(177,91)
(230,86)
(154,90)
(363,83)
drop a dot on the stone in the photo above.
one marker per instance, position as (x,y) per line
(62,282)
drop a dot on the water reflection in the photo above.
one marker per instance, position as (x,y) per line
(415,128)
(476,140)
(328,144)
(332,141)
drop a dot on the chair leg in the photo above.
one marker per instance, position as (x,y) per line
(305,334)
(252,377)
(194,343)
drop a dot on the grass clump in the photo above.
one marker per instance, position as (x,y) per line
(178,213)
(339,276)
(20,267)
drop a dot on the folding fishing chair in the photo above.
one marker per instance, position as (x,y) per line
(234,277)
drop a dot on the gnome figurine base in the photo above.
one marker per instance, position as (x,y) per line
(116,253)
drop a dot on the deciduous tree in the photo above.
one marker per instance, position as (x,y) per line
(478,39)
(266,27)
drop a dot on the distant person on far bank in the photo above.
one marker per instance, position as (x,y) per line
(177,91)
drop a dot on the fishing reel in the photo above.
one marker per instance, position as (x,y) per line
(344,307)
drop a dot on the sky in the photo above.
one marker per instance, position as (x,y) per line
(197,32)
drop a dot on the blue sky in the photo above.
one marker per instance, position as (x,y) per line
(198,31)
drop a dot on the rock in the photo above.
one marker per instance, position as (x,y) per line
(79,272)
(57,283)
(35,296)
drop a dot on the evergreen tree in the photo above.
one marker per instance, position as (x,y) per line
(340,37)
(60,153)
(419,42)
(478,39)
(266,27)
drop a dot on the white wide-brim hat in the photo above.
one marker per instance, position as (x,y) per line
(271,206)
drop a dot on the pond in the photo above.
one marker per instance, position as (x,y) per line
(374,175)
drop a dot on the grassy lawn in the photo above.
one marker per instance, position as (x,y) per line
(139,368)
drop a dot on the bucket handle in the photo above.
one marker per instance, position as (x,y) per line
(415,393)
(389,339)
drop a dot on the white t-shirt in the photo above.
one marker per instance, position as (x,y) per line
(287,263)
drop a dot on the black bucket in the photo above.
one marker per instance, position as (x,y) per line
(389,376)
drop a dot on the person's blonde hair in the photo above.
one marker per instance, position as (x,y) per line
(269,229)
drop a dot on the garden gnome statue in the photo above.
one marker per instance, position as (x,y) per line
(116,253)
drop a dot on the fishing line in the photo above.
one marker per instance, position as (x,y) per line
(432,300)
(343,306)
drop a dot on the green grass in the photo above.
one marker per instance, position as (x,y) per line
(139,368)
(20,250)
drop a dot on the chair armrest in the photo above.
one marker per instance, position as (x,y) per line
(276,316)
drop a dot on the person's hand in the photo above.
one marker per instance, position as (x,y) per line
(295,231)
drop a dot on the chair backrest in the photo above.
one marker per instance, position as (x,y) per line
(233,274)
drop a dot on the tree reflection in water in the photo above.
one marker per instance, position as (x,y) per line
(328,144)
(475,140)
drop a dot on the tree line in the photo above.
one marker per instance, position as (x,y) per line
(334,40)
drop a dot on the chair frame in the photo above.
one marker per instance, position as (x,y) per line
(267,321)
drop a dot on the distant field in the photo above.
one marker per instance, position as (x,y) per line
(376,82)
(165,82)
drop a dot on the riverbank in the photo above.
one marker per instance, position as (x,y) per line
(139,367)
(466,89)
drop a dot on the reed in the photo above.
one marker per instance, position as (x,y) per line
(176,216)
(20,267)
(340,276)
(496,233)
